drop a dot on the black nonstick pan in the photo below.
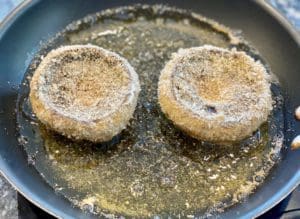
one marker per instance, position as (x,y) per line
(34,22)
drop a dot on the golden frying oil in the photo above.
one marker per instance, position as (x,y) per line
(151,168)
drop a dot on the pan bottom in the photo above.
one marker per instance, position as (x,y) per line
(151,168)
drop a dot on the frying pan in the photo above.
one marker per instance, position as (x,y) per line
(36,21)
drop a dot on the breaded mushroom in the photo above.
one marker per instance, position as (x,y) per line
(214,94)
(84,92)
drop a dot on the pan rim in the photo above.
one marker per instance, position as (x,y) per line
(268,8)
(14,14)
(4,26)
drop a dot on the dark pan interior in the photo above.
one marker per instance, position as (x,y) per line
(37,21)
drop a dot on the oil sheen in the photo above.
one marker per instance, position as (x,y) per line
(151,168)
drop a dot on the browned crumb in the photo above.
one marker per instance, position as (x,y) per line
(296,143)
(297,113)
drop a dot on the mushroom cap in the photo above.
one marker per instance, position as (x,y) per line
(84,92)
(215,94)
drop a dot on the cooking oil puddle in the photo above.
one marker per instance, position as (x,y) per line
(151,168)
